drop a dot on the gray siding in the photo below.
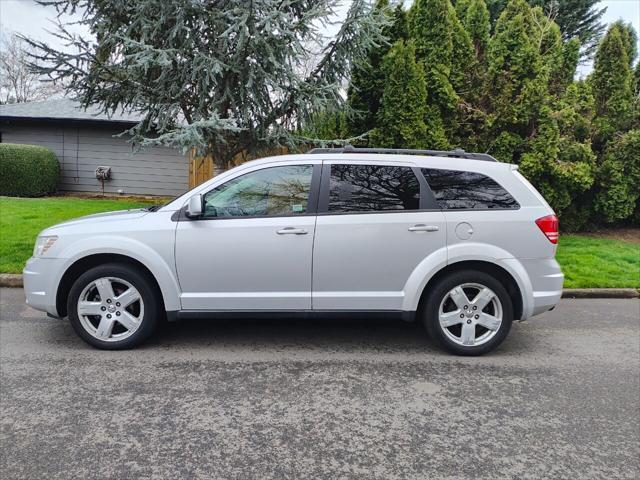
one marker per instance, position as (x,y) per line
(152,171)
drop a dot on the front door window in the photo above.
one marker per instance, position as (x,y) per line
(270,192)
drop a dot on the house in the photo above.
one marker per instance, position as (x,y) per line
(84,140)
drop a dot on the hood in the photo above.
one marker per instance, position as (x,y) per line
(119,215)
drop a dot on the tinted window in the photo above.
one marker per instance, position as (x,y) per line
(367,188)
(274,191)
(467,190)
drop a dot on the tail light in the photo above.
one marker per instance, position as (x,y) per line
(549,226)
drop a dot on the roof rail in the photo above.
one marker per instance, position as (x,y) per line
(457,153)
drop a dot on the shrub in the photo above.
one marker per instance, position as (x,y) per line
(27,170)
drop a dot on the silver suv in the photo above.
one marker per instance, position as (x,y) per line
(455,240)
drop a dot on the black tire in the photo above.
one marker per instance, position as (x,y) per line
(151,316)
(438,294)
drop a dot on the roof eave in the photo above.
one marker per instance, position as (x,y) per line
(72,121)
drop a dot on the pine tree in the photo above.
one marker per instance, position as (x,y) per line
(367,78)
(400,120)
(220,77)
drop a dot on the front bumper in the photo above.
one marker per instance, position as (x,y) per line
(41,278)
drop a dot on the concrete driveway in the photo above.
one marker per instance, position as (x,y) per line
(351,399)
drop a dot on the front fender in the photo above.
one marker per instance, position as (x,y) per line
(160,268)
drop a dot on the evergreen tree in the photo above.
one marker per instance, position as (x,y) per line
(461,7)
(619,179)
(463,60)
(327,125)
(220,77)
(559,160)
(400,119)
(517,80)
(581,19)
(570,57)
(367,78)
(466,77)
(612,82)
(476,22)
(576,18)
(432,29)
(629,39)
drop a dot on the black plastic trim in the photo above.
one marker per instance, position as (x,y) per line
(405,315)
(427,198)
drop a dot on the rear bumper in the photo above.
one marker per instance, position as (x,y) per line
(546,282)
(40,283)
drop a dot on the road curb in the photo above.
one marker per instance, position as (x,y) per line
(600,293)
(12,280)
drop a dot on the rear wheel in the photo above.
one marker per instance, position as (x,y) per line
(113,307)
(468,313)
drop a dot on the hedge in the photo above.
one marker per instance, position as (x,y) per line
(27,170)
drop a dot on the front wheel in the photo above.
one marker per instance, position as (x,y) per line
(113,307)
(468,313)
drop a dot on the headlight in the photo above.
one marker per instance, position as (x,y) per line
(43,244)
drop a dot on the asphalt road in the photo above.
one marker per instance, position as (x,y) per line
(323,399)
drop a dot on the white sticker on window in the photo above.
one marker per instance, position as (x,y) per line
(297,208)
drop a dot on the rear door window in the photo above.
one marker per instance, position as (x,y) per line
(372,188)
(459,190)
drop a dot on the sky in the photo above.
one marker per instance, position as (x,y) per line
(32,20)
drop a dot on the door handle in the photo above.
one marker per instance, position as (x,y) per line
(424,228)
(292,231)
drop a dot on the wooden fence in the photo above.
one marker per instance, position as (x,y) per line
(202,169)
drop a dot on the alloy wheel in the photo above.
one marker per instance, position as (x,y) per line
(470,314)
(110,309)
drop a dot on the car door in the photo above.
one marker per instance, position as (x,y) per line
(252,247)
(376,223)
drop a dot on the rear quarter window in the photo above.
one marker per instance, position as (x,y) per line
(460,190)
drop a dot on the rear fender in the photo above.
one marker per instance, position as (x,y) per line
(478,252)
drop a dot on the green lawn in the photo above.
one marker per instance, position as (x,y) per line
(586,261)
(599,262)
(21,219)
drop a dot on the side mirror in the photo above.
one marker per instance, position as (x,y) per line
(194,207)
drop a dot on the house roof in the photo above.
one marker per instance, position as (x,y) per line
(63,109)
